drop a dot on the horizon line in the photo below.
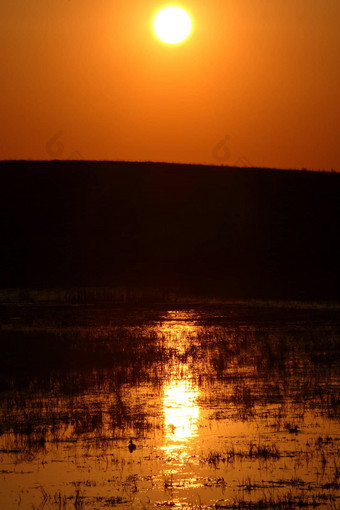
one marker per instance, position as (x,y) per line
(169,163)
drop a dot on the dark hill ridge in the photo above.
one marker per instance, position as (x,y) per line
(231,232)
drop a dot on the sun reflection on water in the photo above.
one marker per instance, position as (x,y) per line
(181,412)
(180,391)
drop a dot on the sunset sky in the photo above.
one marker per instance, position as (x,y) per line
(263,76)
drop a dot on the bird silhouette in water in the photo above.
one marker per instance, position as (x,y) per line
(131,446)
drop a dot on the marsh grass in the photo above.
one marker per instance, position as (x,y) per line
(42,369)
(289,502)
(77,385)
(255,451)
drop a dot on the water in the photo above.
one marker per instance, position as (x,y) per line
(229,406)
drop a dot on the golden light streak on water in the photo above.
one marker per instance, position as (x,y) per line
(181,411)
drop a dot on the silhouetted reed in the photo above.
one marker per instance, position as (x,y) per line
(82,378)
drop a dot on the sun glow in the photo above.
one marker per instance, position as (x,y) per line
(181,411)
(172,25)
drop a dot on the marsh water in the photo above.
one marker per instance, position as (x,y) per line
(232,405)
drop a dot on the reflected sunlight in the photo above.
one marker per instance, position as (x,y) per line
(180,391)
(181,411)
(178,329)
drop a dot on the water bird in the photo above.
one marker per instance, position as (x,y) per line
(131,446)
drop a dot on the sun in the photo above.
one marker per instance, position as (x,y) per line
(172,25)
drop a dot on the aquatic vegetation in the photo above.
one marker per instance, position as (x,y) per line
(228,407)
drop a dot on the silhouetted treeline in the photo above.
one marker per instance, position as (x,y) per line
(219,231)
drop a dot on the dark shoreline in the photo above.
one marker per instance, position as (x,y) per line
(209,232)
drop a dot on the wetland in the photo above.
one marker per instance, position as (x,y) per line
(230,405)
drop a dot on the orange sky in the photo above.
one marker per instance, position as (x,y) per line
(264,73)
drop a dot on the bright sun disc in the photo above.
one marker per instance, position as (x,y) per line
(172,25)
